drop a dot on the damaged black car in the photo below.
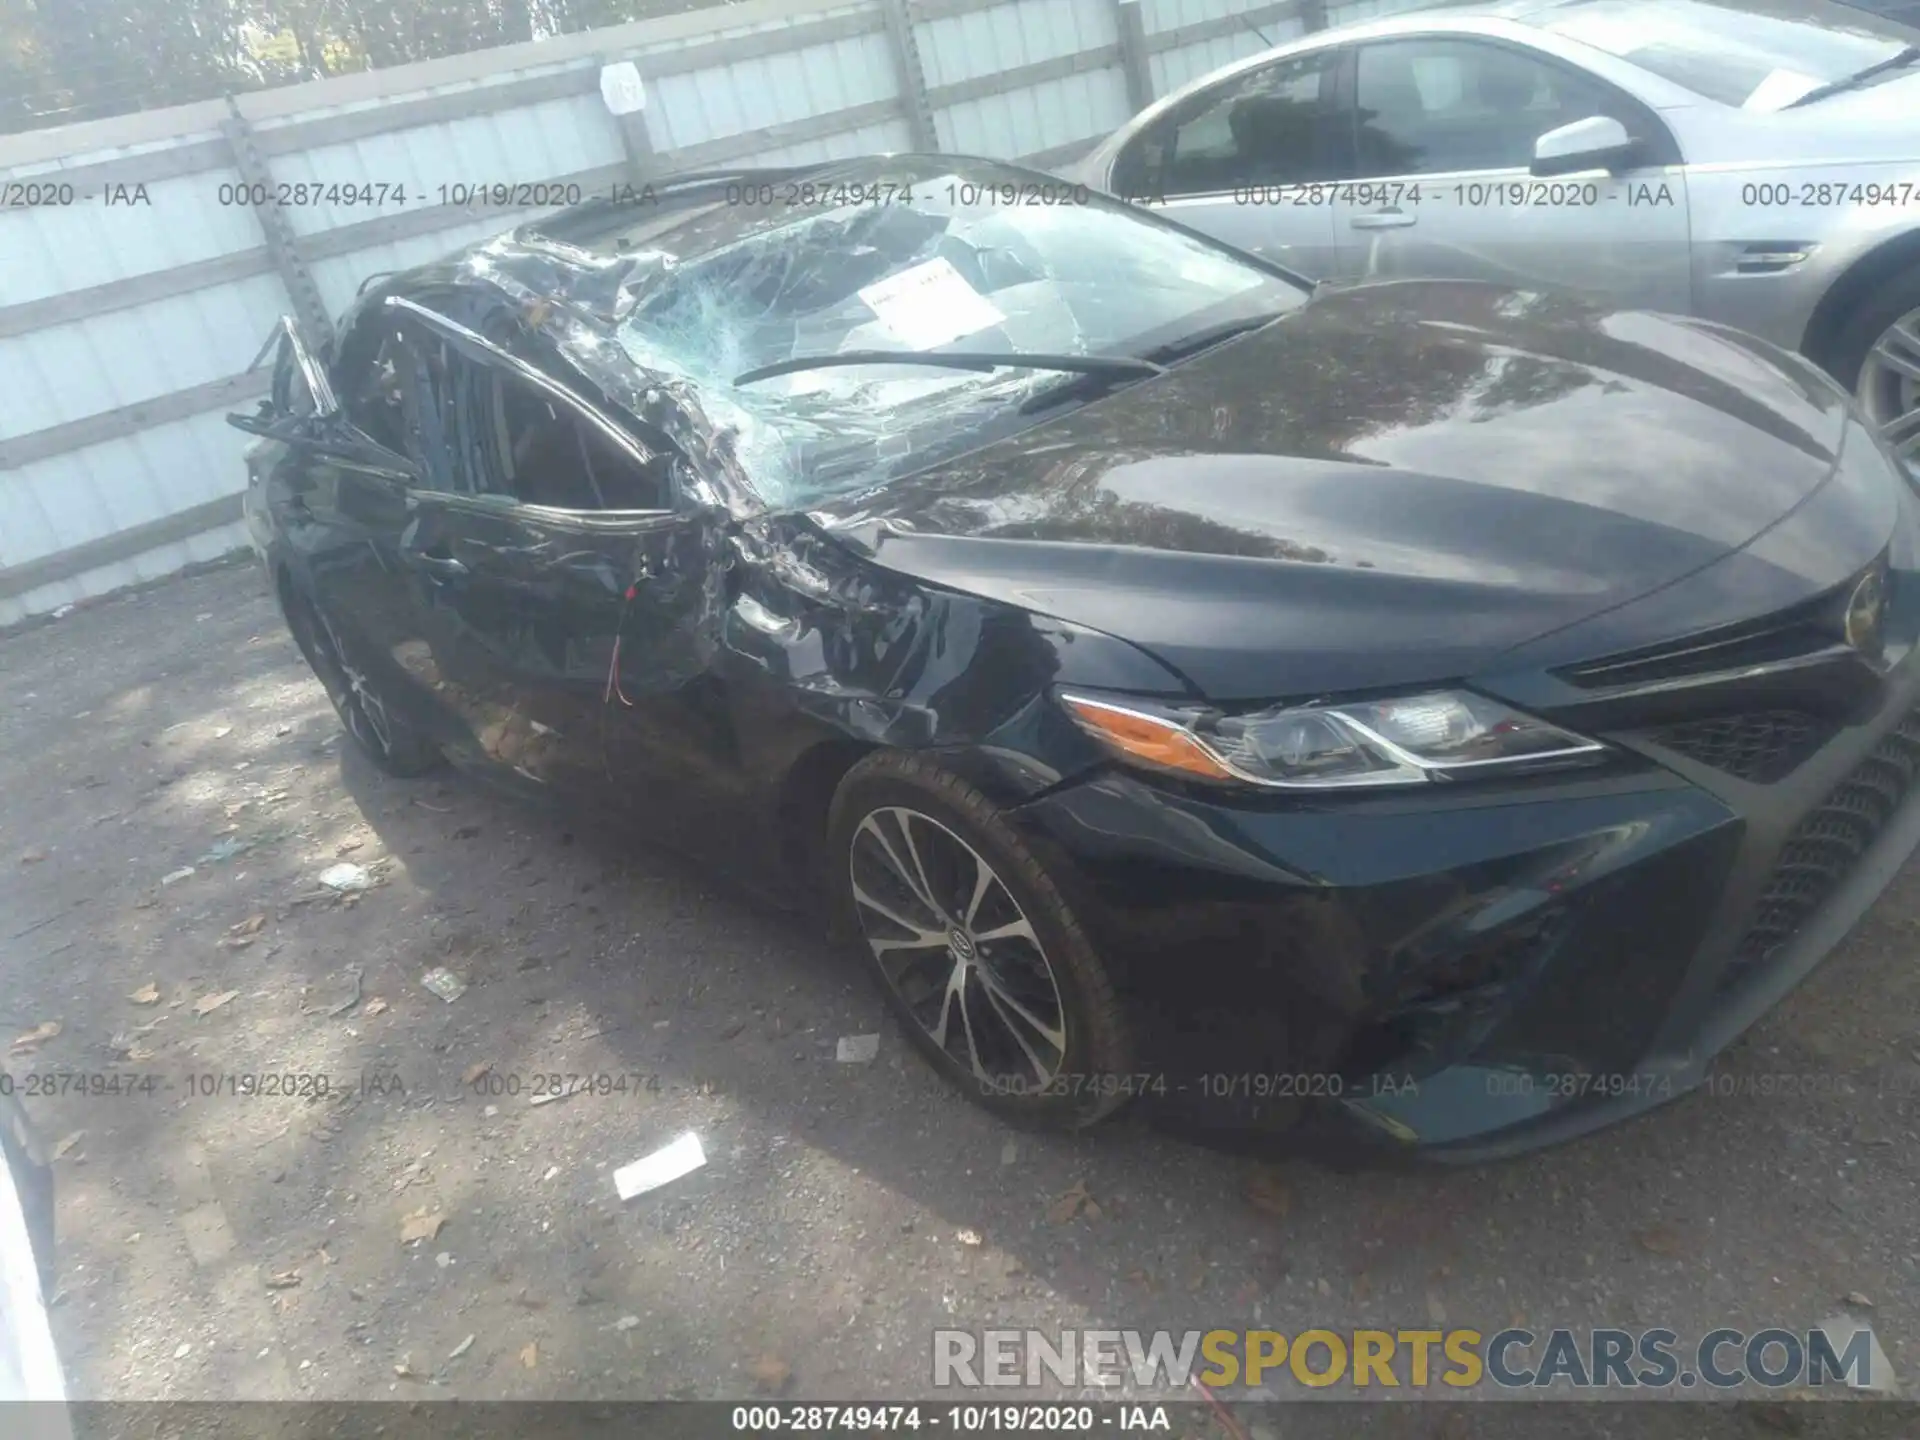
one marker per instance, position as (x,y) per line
(1425,714)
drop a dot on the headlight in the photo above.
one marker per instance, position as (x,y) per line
(1444,735)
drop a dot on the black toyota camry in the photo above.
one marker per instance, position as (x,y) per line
(1426,713)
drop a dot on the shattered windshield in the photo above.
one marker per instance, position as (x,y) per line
(957,262)
(1756,54)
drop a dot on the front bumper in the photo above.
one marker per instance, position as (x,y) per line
(1471,975)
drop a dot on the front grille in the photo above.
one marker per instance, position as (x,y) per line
(1825,846)
(1802,630)
(1760,747)
(1511,951)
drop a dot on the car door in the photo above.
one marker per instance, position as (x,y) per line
(555,524)
(1444,129)
(1242,161)
(336,499)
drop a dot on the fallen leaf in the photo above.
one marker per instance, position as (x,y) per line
(1780,1419)
(422,1224)
(476,1071)
(283,1280)
(968,1237)
(32,857)
(207,1004)
(373,1006)
(461,1349)
(406,1371)
(1852,1297)
(1069,1204)
(1660,1240)
(1268,1193)
(1436,1312)
(46,1030)
(770,1372)
(148,994)
(139,1052)
(252,925)
(237,942)
(60,1150)
(530,1357)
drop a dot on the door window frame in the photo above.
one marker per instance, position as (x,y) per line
(1331,146)
(488,355)
(1659,148)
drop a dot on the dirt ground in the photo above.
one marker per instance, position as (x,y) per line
(226,1245)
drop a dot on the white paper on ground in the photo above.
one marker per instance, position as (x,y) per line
(1879,1377)
(650,1172)
(858,1049)
(930,304)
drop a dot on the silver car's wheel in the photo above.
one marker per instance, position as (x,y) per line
(955,946)
(1889,387)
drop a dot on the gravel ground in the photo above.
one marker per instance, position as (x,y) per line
(219,1245)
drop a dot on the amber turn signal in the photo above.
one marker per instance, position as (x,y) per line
(1146,738)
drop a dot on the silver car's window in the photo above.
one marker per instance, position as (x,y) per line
(1271,126)
(1437,106)
(1754,55)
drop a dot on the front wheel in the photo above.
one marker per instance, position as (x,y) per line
(1877,353)
(382,735)
(974,946)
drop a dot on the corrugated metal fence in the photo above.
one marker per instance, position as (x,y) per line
(144,258)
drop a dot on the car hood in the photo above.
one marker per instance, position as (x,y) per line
(1391,485)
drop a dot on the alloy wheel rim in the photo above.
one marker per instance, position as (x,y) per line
(1889,388)
(359,703)
(954,944)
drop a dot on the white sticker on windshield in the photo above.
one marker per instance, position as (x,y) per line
(1779,90)
(930,305)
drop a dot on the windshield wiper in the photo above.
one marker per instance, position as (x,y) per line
(1898,61)
(1211,336)
(957,360)
(1183,348)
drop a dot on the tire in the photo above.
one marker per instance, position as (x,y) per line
(21,1152)
(1037,1035)
(1878,338)
(393,745)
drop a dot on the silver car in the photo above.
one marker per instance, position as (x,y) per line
(1752,163)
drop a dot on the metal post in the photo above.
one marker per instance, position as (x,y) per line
(309,310)
(913,76)
(1133,53)
(636,141)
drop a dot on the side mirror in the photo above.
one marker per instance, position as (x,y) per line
(272,424)
(1599,142)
